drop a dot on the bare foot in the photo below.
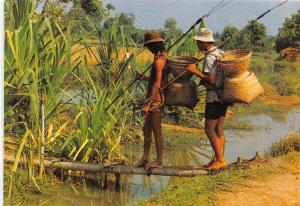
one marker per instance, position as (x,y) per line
(216,165)
(210,163)
(141,163)
(154,164)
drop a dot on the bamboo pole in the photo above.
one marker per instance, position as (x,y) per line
(182,171)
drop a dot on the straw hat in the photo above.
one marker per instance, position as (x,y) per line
(204,35)
(152,36)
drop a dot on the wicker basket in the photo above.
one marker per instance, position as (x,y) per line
(242,89)
(236,62)
(178,64)
(182,93)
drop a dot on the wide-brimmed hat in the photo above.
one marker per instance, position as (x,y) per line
(204,35)
(152,36)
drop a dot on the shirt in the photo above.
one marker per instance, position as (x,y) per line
(210,65)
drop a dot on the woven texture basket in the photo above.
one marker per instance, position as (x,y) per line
(182,93)
(178,64)
(242,89)
(236,62)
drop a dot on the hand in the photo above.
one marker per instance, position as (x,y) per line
(139,76)
(192,68)
(145,110)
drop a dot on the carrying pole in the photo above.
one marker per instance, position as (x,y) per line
(223,43)
(214,9)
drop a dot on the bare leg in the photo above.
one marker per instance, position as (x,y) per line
(220,132)
(156,123)
(147,129)
(210,130)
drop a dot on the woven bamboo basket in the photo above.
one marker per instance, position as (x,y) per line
(236,62)
(182,93)
(242,89)
(178,64)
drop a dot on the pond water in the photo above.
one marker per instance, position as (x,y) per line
(136,187)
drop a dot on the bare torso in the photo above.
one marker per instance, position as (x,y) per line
(152,78)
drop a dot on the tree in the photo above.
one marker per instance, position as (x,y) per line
(217,37)
(126,20)
(289,33)
(171,24)
(109,8)
(228,32)
(86,16)
(171,32)
(92,7)
(256,34)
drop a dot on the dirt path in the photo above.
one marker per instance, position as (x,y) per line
(281,100)
(275,190)
(179,128)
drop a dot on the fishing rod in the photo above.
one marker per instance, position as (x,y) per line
(195,24)
(222,44)
(210,12)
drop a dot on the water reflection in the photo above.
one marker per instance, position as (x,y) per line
(137,187)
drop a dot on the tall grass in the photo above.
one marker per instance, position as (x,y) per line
(38,61)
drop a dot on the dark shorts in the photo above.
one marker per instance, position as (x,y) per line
(215,110)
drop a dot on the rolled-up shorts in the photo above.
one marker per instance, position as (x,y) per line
(215,110)
(156,107)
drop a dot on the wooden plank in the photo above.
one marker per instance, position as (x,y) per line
(182,171)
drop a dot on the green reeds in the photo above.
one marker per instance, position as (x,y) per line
(37,63)
(37,60)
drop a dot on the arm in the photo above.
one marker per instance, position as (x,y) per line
(208,77)
(141,77)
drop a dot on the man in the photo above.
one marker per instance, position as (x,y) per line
(155,100)
(215,110)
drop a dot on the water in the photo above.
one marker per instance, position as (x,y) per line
(136,187)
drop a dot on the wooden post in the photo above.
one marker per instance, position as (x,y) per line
(118,178)
(105,184)
(240,160)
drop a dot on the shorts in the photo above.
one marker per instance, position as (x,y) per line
(215,110)
(156,107)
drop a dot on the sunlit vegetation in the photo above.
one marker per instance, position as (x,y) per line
(62,70)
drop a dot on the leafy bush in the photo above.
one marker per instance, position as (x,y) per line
(289,34)
(286,145)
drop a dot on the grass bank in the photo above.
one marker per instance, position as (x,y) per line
(204,190)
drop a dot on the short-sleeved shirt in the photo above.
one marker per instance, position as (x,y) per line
(210,65)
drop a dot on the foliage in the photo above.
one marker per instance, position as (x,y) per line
(228,32)
(126,20)
(171,32)
(101,130)
(37,60)
(289,33)
(254,38)
(86,16)
(288,144)
(37,57)
(37,65)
